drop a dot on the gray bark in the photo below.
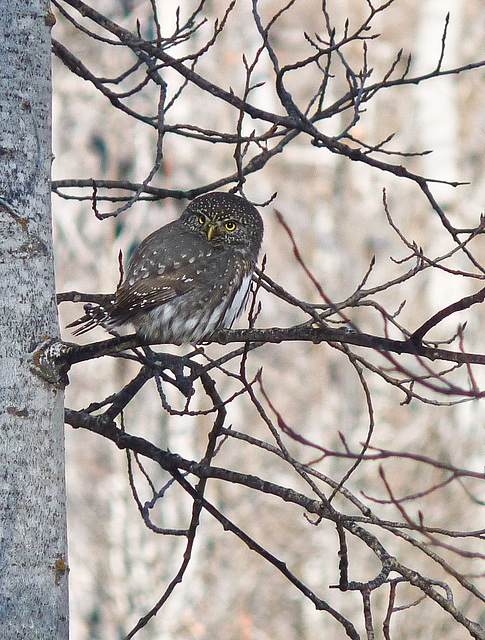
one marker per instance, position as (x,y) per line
(33,560)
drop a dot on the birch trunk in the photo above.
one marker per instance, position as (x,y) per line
(33,562)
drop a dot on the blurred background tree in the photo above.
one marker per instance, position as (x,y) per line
(346,450)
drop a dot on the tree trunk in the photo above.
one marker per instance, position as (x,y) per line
(33,553)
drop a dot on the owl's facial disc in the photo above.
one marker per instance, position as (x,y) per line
(211,229)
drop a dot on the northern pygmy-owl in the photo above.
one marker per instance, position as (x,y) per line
(188,278)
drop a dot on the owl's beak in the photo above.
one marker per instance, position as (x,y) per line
(213,230)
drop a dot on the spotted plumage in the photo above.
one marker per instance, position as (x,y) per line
(188,278)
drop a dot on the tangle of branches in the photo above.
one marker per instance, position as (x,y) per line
(420,368)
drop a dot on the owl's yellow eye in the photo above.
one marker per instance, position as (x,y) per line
(230,225)
(201,220)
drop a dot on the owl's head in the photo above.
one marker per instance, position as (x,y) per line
(226,220)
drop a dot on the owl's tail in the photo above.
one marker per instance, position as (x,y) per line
(95,315)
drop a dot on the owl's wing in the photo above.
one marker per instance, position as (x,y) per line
(139,292)
(167,264)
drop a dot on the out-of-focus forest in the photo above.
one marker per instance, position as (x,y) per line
(332,209)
